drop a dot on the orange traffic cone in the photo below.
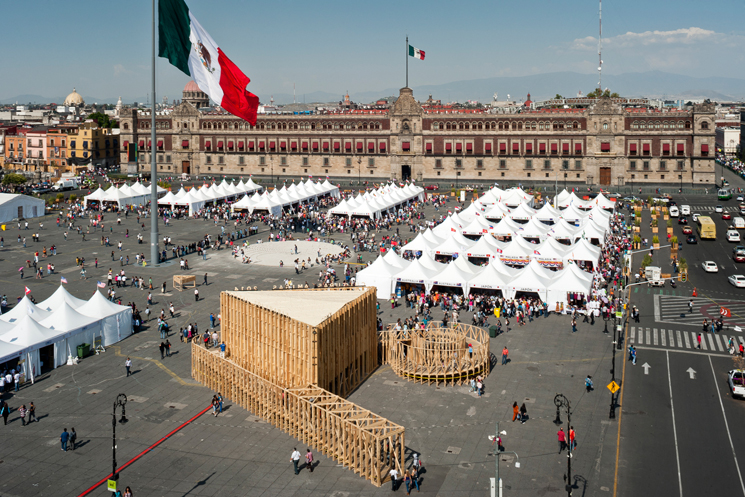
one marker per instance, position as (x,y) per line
(694,292)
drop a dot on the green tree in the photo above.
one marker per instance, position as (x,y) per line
(14,179)
(596,93)
(558,97)
(103,120)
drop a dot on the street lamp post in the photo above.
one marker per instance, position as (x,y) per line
(561,401)
(121,401)
(497,453)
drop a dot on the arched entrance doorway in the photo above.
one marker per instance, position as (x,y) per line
(405,172)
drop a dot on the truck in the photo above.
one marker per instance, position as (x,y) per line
(65,184)
(653,275)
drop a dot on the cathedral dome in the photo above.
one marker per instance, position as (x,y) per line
(74,99)
(191,86)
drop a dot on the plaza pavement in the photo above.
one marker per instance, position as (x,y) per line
(237,453)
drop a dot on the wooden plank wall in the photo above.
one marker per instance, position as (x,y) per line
(358,439)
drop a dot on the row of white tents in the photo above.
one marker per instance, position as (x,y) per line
(62,321)
(391,270)
(196,198)
(137,194)
(373,203)
(273,202)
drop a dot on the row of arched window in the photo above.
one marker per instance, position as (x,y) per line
(507,125)
(304,126)
(649,124)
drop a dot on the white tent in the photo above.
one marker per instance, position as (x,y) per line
(584,251)
(74,329)
(454,244)
(552,253)
(604,202)
(419,244)
(548,213)
(532,278)
(97,195)
(415,273)
(31,336)
(486,246)
(452,276)
(521,213)
(341,209)
(447,227)
(60,296)
(570,280)
(379,274)
(396,260)
(116,320)
(191,201)
(478,226)
(14,206)
(22,309)
(490,278)
(168,199)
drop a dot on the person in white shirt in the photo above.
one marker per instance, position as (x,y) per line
(394,476)
(295,457)
(17,379)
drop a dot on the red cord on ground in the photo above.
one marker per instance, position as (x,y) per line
(163,439)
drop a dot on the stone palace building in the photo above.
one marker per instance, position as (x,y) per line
(607,143)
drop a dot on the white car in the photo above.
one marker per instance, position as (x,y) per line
(710,266)
(719,209)
(694,217)
(733,236)
(740,198)
(736,379)
(737,280)
(685,210)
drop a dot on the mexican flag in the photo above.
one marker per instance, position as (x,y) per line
(186,45)
(416,53)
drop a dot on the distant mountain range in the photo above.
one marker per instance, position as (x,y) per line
(652,84)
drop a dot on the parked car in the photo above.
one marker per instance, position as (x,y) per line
(737,280)
(710,266)
(40,189)
(431,187)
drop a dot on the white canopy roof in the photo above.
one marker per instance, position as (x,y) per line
(65,318)
(489,278)
(453,276)
(395,260)
(583,250)
(60,296)
(414,273)
(455,244)
(22,309)
(419,244)
(99,307)
(29,333)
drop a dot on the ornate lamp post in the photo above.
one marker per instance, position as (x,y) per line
(121,400)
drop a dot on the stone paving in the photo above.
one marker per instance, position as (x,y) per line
(237,453)
(276,253)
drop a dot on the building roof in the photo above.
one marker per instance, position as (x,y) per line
(306,306)
(74,98)
(191,86)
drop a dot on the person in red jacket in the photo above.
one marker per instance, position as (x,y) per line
(562,440)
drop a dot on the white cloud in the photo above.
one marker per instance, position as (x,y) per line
(119,69)
(683,36)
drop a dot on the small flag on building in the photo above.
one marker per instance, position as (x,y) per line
(416,53)
(101,285)
(63,280)
(27,291)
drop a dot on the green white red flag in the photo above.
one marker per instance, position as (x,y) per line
(416,53)
(186,45)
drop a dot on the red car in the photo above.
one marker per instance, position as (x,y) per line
(432,187)
(726,215)
(687,230)
(739,256)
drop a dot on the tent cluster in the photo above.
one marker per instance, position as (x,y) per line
(285,197)
(137,194)
(196,198)
(502,243)
(62,321)
(373,203)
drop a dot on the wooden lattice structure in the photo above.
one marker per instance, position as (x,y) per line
(181,281)
(360,440)
(289,357)
(449,356)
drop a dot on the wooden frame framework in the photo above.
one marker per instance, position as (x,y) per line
(360,440)
(436,354)
(180,281)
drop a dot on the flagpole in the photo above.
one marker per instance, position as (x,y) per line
(407,61)
(153,170)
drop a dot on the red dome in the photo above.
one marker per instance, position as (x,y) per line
(191,86)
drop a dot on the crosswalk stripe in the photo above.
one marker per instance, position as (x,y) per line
(655,335)
(725,341)
(741,340)
(685,335)
(663,338)
(672,339)
(680,342)
(711,341)
(703,343)
(649,333)
(631,334)
(719,343)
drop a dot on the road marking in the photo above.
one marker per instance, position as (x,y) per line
(646,367)
(685,335)
(711,341)
(680,342)
(632,334)
(691,373)
(649,333)
(655,336)
(703,343)
(719,344)
(726,425)
(620,417)
(675,430)
(672,339)
(663,338)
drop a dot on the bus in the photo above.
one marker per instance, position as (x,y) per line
(724,194)
(706,228)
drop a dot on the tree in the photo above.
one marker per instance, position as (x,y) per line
(14,179)
(596,93)
(558,97)
(103,120)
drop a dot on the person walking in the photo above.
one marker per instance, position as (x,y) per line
(588,384)
(523,413)
(407,482)
(295,457)
(505,354)
(205,279)
(574,326)
(5,411)
(196,295)
(515,411)
(63,438)
(698,339)
(690,306)
(162,347)
(394,478)
(309,460)
(73,438)
(32,413)
(562,440)
(572,440)
(128,365)
(22,412)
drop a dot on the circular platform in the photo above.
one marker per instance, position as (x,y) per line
(271,253)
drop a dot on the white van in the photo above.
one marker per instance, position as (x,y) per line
(674,211)
(738,223)
(685,210)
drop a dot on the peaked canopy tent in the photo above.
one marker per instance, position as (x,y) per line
(379,274)
(32,337)
(571,280)
(14,206)
(116,320)
(488,279)
(59,297)
(73,328)
(451,276)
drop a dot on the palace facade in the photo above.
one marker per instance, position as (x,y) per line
(606,144)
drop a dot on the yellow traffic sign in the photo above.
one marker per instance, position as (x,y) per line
(613,387)
(112,485)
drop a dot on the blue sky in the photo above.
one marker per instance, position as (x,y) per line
(102,47)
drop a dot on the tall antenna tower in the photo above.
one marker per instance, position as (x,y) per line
(600,47)
(294,97)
